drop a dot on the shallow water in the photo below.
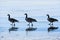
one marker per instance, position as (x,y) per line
(40,34)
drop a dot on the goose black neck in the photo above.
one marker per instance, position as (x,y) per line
(48,16)
(9,17)
(26,16)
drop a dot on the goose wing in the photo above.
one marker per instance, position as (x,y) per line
(53,19)
(31,20)
(12,19)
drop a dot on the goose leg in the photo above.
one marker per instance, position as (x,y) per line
(29,25)
(14,24)
(32,24)
(11,24)
(50,23)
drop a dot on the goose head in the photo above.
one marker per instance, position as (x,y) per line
(8,15)
(26,15)
(48,15)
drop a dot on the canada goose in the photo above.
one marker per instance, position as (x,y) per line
(51,20)
(12,20)
(30,20)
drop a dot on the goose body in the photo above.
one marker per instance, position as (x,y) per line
(30,20)
(51,20)
(12,20)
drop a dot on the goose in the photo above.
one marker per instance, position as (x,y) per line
(12,20)
(29,20)
(51,20)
